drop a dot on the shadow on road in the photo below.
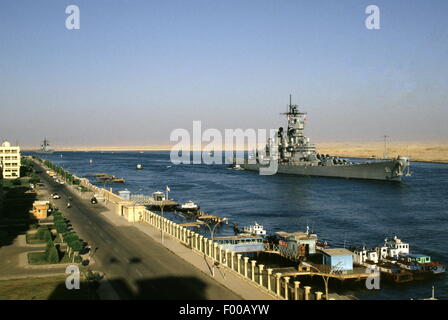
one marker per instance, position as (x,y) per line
(163,288)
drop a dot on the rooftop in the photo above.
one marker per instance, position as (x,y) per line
(297,235)
(238,237)
(337,252)
(41,203)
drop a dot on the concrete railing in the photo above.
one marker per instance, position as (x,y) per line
(277,285)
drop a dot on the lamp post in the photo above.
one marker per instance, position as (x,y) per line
(212,233)
(326,278)
(161,227)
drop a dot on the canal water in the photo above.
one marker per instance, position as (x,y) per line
(342,212)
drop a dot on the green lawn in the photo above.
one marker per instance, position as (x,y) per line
(39,258)
(32,239)
(48,288)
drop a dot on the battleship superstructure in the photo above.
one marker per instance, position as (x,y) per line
(45,147)
(294,154)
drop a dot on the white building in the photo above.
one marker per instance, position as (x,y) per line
(10,160)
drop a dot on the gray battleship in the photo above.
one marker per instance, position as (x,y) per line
(294,154)
(45,148)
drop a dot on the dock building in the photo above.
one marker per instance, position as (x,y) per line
(340,259)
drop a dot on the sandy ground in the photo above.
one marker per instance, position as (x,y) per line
(417,151)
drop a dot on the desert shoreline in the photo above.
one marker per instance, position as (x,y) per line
(431,152)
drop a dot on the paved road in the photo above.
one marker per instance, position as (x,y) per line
(137,266)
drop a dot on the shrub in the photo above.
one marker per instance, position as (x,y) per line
(76,245)
(47,237)
(61,227)
(48,247)
(69,237)
(58,219)
(52,254)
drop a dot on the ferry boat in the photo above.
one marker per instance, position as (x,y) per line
(255,229)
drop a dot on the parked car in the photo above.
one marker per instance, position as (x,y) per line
(55,196)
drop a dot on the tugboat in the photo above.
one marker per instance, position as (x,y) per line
(290,152)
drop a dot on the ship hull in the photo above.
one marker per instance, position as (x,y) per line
(380,170)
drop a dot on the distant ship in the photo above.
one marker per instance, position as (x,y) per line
(45,147)
(294,154)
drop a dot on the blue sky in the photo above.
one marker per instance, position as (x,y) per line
(136,69)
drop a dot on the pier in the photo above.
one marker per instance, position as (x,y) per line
(108,178)
(311,269)
(149,201)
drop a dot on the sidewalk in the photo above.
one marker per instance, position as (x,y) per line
(228,279)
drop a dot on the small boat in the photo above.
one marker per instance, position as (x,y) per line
(396,262)
(256,229)
(90,161)
(189,206)
(237,167)
(139,167)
